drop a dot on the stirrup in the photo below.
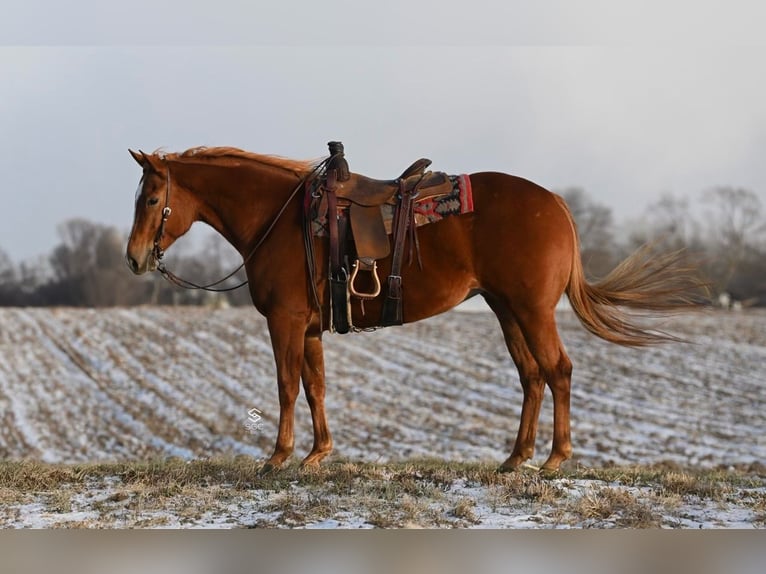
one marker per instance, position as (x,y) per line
(361,265)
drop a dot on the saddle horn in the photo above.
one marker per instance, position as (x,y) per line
(338,161)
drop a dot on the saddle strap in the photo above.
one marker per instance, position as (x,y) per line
(332,228)
(338,273)
(392,307)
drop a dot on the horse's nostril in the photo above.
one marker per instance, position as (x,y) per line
(132,263)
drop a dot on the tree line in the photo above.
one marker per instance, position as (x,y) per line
(723,231)
(87,269)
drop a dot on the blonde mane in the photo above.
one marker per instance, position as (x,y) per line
(298,167)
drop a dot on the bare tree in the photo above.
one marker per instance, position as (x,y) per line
(8,280)
(76,252)
(108,281)
(736,227)
(89,268)
(671,222)
(7,269)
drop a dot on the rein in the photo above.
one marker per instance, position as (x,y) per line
(158,253)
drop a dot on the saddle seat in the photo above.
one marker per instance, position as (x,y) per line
(369,192)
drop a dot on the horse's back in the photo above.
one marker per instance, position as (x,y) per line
(514,199)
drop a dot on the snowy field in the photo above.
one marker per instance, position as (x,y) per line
(80,385)
(121,384)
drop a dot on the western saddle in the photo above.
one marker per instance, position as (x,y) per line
(354,203)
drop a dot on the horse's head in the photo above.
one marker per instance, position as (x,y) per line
(163,213)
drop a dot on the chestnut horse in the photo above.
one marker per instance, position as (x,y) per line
(519,249)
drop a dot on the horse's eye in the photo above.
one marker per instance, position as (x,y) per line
(153,201)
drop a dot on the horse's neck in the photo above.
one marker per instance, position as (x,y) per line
(241,201)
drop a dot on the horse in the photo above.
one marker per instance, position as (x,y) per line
(518,249)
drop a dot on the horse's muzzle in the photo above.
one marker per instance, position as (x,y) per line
(132,264)
(149,264)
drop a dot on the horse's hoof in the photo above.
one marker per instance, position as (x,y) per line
(267,469)
(313,460)
(549,472)
(309,467)
(514,463)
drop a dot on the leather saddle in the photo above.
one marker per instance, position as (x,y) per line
(364,197)
(369,192)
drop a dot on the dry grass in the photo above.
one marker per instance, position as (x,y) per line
(421,493)
(465,510)
(616,505)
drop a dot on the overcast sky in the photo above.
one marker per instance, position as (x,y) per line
(627,113)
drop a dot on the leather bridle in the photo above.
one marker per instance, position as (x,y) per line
(158,253)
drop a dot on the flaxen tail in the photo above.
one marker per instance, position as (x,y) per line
(645,281)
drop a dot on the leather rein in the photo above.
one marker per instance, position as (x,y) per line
(158,253)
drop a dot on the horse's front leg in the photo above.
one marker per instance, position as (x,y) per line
(287,336)
(314,386)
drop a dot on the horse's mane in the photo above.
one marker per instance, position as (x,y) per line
(299,167)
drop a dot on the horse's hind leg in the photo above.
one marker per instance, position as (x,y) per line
(314,386)
(541,335)
(532,384)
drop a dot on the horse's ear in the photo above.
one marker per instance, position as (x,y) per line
(148,162)
(139,157)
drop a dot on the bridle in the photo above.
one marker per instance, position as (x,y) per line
(158,253)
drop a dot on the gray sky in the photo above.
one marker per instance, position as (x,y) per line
(626,112)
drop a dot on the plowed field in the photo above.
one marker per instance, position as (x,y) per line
(123,384)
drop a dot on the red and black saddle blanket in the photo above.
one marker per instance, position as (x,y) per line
(429,210)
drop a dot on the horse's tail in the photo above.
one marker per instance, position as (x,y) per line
(645,281)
